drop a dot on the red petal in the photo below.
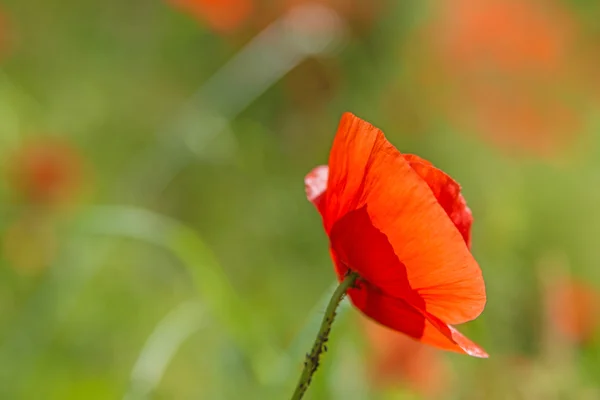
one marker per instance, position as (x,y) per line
(396,212)
(447,193)
(402,317)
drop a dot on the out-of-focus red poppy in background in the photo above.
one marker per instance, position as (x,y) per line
(227,16)
(508,70)
(45,174)
(533,37)
(223,16)
(574,309)
(395,360)
(46,171)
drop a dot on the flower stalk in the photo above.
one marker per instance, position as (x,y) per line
(312,360)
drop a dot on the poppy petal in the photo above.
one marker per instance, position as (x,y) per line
(366,172)
(402,317)
(356,244)
(353,147)
(221,15)
(315,185)
(447,192)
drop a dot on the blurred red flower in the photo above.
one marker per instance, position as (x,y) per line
(404,227)
(509,66)
(510,35)
(222,16)
(574,309)
(46,172)
(395,358)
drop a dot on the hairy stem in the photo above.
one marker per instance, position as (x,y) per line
(319,347)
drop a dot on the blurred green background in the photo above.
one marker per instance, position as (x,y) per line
(156,242)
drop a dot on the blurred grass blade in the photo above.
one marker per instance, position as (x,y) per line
(162,345)
(267,58)
(211,282)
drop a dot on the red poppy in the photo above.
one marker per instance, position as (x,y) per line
(46,172)
(403,226)
(574,309)
(509,71)
(509,35)
(221,15)
(395,358)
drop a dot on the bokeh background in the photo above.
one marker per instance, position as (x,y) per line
(155,238)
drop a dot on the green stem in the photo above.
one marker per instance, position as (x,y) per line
(312,359)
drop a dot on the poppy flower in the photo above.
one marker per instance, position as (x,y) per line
(404,227)
(395,358)
(574,309)
(510,68)
(46,172)
(223,16)
(511,35)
